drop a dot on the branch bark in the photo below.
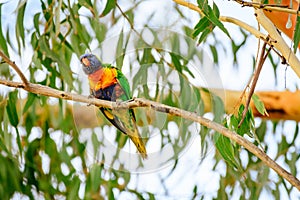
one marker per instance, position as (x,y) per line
(140,102)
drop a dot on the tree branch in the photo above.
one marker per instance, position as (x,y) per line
(15,67)
(268,7)
(140,102)
(279,43)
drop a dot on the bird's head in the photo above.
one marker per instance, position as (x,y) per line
(90,63)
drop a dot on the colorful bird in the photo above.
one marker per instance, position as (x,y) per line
(108,83)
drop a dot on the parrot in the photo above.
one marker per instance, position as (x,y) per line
(109,83)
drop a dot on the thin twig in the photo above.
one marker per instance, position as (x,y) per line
(140,102)
(261,62)
(269,7)
(15,67)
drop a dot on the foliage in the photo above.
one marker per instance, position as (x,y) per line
(44,153)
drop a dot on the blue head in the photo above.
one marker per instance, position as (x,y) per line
(90,63)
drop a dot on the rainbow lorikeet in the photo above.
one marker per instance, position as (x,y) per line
(108,83)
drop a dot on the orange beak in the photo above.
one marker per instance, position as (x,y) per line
(86,62)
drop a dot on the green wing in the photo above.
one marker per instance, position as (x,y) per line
(124,84)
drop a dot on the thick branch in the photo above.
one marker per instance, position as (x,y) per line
(139,102)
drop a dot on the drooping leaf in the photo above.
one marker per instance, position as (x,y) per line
(111,4)
(248,126)
(176,62)
(225,147)
(99,28)
(208,21)
(20,31)
(296,38)
(11,108)
(120,51)
(214,52)
(218,108)
(30,100)
(3,42)
(36,23)
(259,105)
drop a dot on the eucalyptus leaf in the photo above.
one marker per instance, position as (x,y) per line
(259,105)
(111,4)
(296,38)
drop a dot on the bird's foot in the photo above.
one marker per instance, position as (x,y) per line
(122,104)
(130,100)
(90,97)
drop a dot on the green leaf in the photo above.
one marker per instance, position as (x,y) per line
(36,23)
(3,42)
(30,100)
(226,150)
(74,188)
(201,26)
(209,21)
(11,108)
(204,35)
(218,108)
(147,57)
(248,126)
(216,10)
(99,28)
(20,31)
(140,77)
(109,6)
(203,5)
(261,131)
(215,20)
(214,52)
(185,93)
(95,177)
(120,51)
(29,122)
(259,105)
(296,38)
(176,62)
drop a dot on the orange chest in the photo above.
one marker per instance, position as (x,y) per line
(103,78)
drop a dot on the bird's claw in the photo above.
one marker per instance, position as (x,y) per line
(119,103)
(130,100)
(90,97)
